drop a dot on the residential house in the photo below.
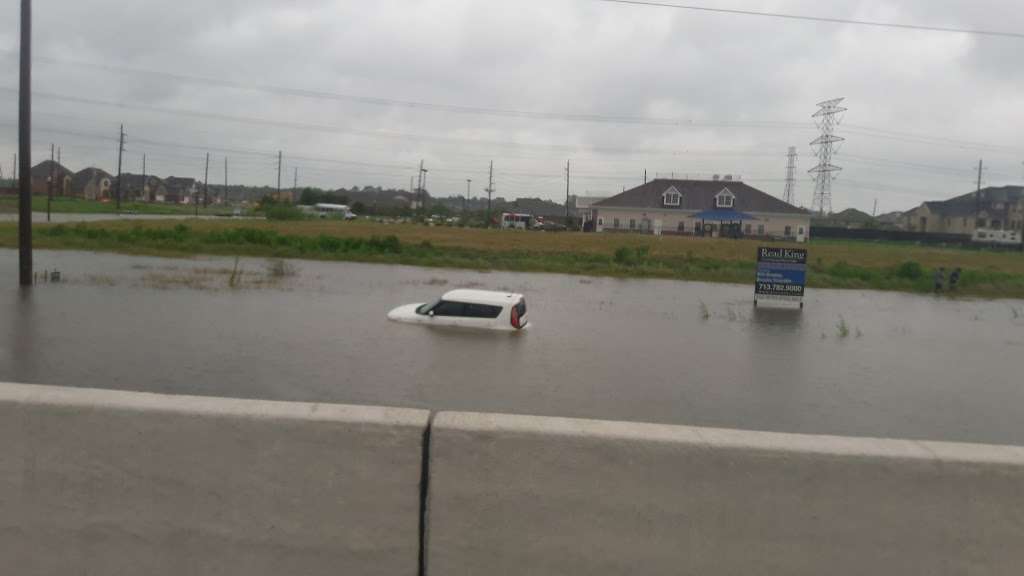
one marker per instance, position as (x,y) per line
(583,209)
(92,184)
(135,187)
(179,190)
(993,208)
(41,174)
(538,208)
(851,218)
(703,208)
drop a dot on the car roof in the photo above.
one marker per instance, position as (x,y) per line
(482,297)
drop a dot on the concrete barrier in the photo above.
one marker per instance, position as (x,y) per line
(112,483)
(525,495)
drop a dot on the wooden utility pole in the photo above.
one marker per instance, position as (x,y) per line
(225,180)
(206,183)
(567,221)
(280,158)
(49,186)
(490,192)
(25,147)
(120,154)
(419,186)
(977,195)
(465,198)
(145,197)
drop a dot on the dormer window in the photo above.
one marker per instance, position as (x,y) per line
(725,199)
(672,197)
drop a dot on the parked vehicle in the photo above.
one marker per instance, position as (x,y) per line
(334,211)
(511,221)
(997,237)
(468,309)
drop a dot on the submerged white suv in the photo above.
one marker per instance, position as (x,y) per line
(468,309)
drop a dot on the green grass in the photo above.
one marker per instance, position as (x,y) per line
(9,205)
(847,266)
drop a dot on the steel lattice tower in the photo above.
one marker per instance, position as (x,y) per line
(827,119)
(790,176)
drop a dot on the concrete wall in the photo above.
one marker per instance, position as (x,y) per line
(524,495)
(110,483)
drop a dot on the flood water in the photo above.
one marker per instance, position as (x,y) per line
(642,350)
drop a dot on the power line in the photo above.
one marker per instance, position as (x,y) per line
(863,130)
(830,20)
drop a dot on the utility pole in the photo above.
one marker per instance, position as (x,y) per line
(567,221)
(49,187)
(145,197)
(827,118)
(977,195)
(645,176)
(225,180)
(490,192)
(295,184)
(419,186)
(25,147)
(280,156)
(874,211)
(121,150)
(465,198)
(788,195)
(206,183)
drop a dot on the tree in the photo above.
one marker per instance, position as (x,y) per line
(359,208)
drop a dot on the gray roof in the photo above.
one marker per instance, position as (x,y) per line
(699,195)
(966,205)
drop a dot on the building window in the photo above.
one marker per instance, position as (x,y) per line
(749,229)
(980,223)
(801,230)
(632,224)
(996,224)
(615,223)
(682,227)
(760,229)
(600,221)
(789,231)
(725,199)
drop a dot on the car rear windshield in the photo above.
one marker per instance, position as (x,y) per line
(521,308)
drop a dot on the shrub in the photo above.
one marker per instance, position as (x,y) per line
(283,212)
(910,270)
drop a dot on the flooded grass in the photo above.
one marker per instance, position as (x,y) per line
(842,328)
(844,265)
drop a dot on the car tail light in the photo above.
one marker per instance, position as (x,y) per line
(515,317)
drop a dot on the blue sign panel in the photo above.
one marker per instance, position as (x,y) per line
(781,273)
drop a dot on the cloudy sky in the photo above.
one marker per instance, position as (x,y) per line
(358,92)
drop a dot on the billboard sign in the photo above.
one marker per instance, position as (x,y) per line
(781,274)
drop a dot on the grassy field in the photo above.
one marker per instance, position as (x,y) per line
(833,264)
(9,205)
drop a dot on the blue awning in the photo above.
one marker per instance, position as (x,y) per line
(723,216)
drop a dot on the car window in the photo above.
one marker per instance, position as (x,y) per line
(482,311)
(425,308)
(449,308)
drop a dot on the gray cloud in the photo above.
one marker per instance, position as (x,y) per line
(565,56)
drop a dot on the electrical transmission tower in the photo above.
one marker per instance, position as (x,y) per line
(827,118)
(790,176)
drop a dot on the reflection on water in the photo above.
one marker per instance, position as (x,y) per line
(645,350)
